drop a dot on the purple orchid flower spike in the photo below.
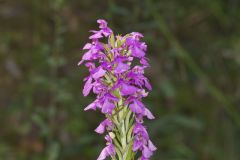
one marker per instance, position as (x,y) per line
(119,87)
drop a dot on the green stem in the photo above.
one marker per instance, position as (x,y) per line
(123,138)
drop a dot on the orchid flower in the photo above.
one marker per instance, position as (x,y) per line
(117,78)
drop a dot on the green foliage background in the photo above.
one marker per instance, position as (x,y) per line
(194,51)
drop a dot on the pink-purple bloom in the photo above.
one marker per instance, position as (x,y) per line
(109,150)
(104,125)
(119,87)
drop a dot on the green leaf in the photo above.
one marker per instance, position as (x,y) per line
(112,40)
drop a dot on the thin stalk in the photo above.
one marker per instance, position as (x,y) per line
(123,139)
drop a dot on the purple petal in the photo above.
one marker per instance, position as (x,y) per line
(87,87)
(101,128)
(98,46)
(90,65)
(106,31)
(80,62)
(92,106)
(128,89)
(96,35)
(151,146)
(139,129)
(147,84)
(138,70)
(103,155)
(146,152)
(107,107)
(121,67)
(111,97)
(99,73)
(148,114)
(137,107)
(136,145)
(144,62)
(87,46)
(143,46)
(136,35)
(137,52)
(87,55)
(111,150)
(108,138)
(102,23)
(98,87)
(108,150)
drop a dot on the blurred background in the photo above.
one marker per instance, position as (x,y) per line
(193,47)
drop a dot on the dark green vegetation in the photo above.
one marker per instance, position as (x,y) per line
(194,50)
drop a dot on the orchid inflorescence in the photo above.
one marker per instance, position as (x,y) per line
(119,87)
